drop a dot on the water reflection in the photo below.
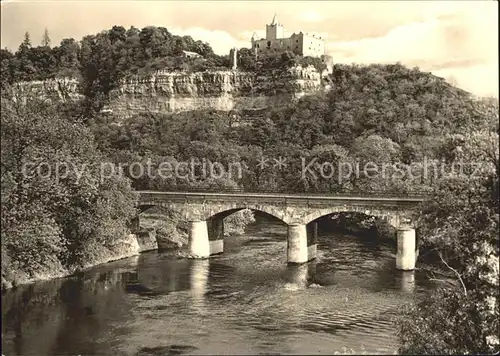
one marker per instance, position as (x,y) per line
(60,316)
(199,281)
(407,281)
(245,301)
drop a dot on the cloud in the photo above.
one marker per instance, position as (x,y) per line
(408,42)
(454,63)
(481,80)
(247,36)
(462,45)
(310,16)
(220,41)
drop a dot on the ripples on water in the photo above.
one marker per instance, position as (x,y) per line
(246,301)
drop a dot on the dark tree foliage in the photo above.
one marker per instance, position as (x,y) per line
(59,212)
(248,61)
(461,223)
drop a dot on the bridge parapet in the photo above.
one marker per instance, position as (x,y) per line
(371,193)
(158,196)
(291,209)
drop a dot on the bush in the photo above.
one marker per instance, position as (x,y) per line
(236,223)
(447,322)
(461,221)
(72,218)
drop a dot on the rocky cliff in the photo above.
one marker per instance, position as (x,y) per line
(227,90)
(54,89)
(219,90)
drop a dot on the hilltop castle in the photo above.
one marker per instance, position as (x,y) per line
(275,42)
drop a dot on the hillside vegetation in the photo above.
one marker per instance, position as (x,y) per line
(377,113)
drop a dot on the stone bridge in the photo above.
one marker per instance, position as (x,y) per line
(205,212)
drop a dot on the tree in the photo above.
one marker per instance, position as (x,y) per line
(26,44)
(99,71)
(59,212)
(67,57)
(44,62)
(461,223)
(46,39)
(25,69)
(7,70)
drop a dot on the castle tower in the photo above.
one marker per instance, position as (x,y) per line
(275,30)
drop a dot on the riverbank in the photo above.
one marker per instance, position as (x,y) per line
(170,232)
(123,248)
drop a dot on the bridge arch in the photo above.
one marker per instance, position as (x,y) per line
(195,212)
(227,209)
(394,218)
(143,208)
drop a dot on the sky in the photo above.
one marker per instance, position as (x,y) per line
(456,40)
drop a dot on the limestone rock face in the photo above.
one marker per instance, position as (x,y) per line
(219,90)
(53,89)
(147,240)
(174,91)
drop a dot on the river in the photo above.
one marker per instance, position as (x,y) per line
(246,301)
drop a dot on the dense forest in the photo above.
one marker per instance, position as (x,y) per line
(383,114)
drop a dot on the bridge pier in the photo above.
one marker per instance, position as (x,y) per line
(216,235)
(199,245)
(298,275)
(406,255)
(297,249)
(312,238)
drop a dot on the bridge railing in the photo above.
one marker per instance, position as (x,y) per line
(227,190)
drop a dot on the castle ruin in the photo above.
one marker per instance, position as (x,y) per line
(275,42)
